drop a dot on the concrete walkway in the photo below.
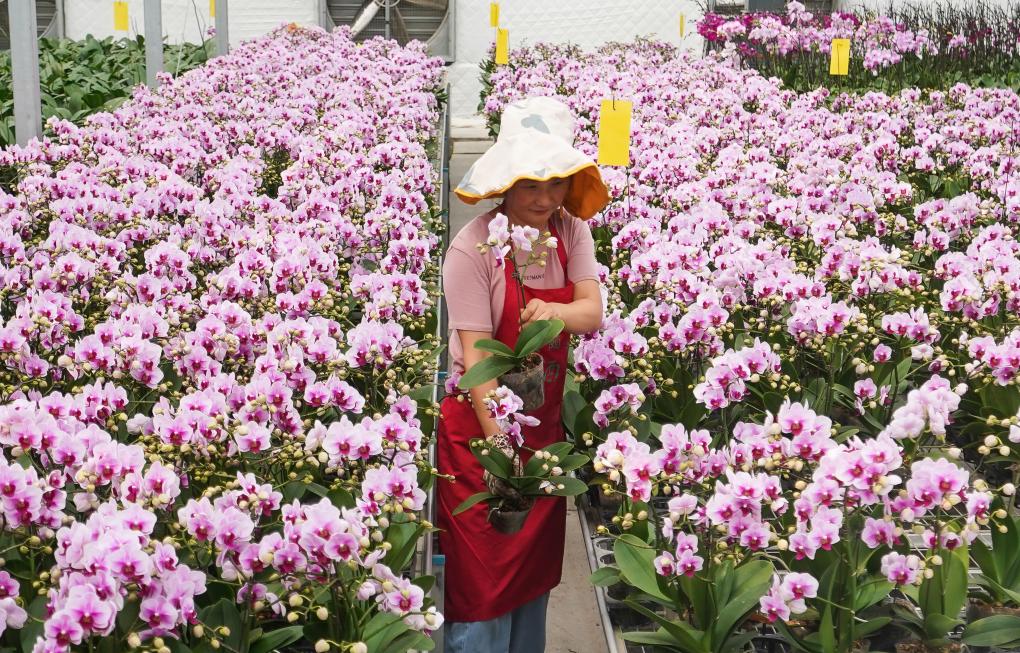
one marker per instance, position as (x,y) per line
(574,625)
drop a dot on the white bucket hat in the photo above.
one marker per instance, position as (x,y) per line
(536,141)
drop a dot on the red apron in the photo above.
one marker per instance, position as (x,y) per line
(488,573)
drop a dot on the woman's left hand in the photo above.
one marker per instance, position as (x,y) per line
(539,310)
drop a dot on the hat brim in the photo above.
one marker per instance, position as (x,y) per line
(536,158)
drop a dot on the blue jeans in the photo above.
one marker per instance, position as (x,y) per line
(518,631)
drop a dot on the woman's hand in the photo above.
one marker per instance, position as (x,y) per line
(539,310)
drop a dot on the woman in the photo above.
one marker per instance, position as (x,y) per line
(497,586)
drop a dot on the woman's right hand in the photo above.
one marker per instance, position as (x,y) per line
(472,357)
(501,488)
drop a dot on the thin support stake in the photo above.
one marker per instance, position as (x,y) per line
(25,69)
(222,37)
(153,42)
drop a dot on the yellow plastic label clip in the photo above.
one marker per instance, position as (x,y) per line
(212,8)
(614,132)
(493,14)
(683,26)
(839,60)
(502,46)
(120,16)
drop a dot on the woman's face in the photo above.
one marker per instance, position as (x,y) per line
(533,202)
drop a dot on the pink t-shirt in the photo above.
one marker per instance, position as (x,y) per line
(474,287)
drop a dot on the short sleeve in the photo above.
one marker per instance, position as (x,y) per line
(466,290)
(581,262)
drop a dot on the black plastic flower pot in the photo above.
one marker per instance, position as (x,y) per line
(510,520)
(528,383)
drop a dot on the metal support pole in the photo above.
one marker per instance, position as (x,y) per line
(222,37)
(324,20)
(60,19)
(386,8)
(153,41)
(25,65)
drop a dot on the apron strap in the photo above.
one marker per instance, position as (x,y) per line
(561,249)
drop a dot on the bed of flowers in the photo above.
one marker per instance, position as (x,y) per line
(928,45)
(79,78)
(804,397)
(216,350)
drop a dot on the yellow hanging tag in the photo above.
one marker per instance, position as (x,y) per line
(502,46)
(614,133)
(493,14)
(120,16)
(212,8)
(683,26)
(839,60)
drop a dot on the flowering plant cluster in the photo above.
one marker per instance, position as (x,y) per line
(930,48)
(878,40)
(216,345)
(803,395)
(525,473)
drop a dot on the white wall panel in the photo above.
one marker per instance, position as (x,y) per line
(588,23)
(187,20)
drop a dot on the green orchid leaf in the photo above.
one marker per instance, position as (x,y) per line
(661,639)
(483,371)
(751,581)
(873,625)
(495,462)
(686,638)
(871,592)
(495,347)
(635,560)
(997,630)
(605,576)
(537,335)
(474,500)
(571,486)
(276,639)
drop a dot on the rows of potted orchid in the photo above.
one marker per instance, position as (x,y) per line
(802,406)
(929,45)
(216,349)
(79,78)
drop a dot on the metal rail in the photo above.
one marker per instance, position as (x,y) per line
(428,562)
(593,563)
(440,375)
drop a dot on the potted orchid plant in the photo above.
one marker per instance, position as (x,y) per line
(516,474)
(519,368)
